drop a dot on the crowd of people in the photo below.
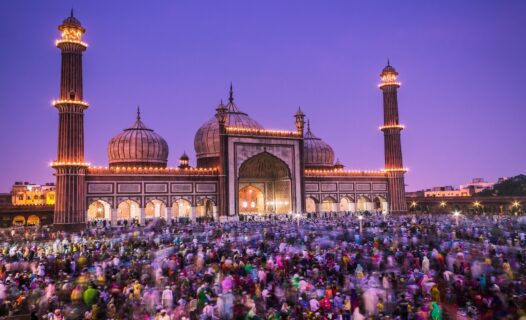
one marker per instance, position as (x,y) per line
(336,267)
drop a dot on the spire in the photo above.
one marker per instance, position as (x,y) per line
(308,125)
(388,64)
(231,94)
(138,113)
(299,112)
(71,14)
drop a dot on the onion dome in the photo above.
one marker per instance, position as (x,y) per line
(184,161)
(138,146)
(389,69)
(71,21)
(316,153)
(206,140)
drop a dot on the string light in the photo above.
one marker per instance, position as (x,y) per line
(68,163)
(238,130)
(61,41)
(341,172)
(395,170)
(153,170)
(392,126)
(59,102)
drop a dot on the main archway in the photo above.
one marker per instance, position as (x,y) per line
(264,186)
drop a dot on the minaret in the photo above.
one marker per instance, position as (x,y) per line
(300,121)
(392,145)
(221,116)
(70,206)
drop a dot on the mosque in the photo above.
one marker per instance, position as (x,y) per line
(242,168)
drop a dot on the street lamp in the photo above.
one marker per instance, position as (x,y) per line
(360,218)
(456,214)
(298,216)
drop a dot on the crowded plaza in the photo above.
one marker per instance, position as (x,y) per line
(316,266)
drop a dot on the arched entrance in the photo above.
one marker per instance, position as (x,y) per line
(128,210)
(363,204)
(328,205)
(205,208)
(33,220)
(99,210)
(155,209)
(310,204)
(380,204)
(347,204)
(264,185)
(181,209)
(19,221)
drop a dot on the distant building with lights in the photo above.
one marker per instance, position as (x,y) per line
(25,193)
(242,168)
(479,184)
(447,191)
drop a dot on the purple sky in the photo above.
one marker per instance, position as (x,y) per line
(461,64)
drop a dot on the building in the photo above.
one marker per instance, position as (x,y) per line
(447,191)
(242,168)
(25,193)
(478,184)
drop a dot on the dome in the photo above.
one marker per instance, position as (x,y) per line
(389,69)
(71,21)
(206,140)
(316,153)
(138,146)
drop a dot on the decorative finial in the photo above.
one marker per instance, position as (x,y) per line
(138,113)
(388,64)
(71,14)
(308,125)
(231,94)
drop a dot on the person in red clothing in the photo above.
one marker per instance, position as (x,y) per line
(325,303)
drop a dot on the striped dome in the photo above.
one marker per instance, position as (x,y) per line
(138,146)
(316,153)
(206,140)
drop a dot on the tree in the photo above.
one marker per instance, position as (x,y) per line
(515,186)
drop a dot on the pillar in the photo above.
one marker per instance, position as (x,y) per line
(193,214)
(214,213)
(142,216)
(114,216)
(168,214)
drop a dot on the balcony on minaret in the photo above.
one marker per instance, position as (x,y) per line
(71,32)
(389,77)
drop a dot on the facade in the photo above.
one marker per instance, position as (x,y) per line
(467,205)
(447,191)
(242,168)
(478,184)
(25,193)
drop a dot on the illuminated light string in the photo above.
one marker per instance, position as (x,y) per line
(392,126)
(196,171)
(58,42)
(341,172)
(395,170)
(59,102)
(68,163)
(261,131)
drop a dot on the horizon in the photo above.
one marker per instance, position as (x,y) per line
(310,66)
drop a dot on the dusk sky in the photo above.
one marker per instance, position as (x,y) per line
(461,64)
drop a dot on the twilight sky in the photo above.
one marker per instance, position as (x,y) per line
(461,64)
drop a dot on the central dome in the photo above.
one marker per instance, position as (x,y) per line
(138,146)
(206,141)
